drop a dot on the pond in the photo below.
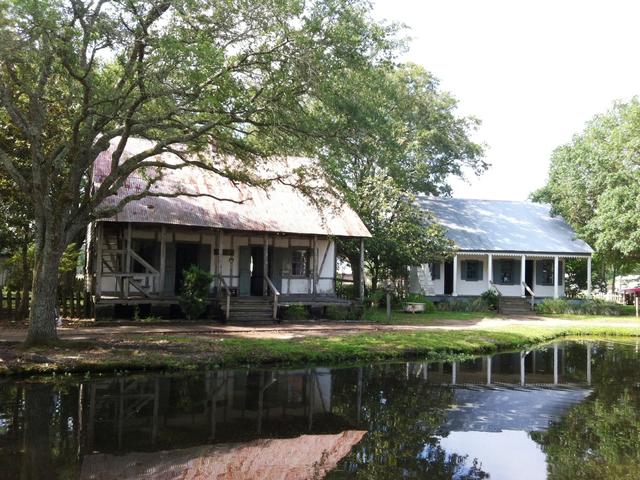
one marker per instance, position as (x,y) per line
(563,411)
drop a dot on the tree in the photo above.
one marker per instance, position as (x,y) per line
(399,135)
(594,183)
(247,76)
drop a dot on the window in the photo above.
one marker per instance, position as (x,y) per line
(472,270)
(506,272)
(300,262)
(546,271)
(434,268)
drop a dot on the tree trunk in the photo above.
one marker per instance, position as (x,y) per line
(44,300)
(26,284)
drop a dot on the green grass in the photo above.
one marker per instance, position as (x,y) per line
(184,352)
(398,317)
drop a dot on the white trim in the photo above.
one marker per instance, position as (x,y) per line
(455,276)
(499,254)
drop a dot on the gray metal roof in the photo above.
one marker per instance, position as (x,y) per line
(503,226)
(278,208)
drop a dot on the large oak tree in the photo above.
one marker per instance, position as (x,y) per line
(251,77)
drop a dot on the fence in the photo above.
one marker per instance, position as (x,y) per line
(71,304)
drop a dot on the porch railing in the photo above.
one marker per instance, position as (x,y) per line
(227,308)
(530,292)
(276,294)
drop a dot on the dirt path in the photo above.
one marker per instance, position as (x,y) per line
(298,330)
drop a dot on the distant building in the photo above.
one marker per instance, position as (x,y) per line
(515,248)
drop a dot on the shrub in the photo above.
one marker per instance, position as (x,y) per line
(295,312)
(579,307)
(475,305)
(491,298)
(194,292)
(347,290)
(342,313)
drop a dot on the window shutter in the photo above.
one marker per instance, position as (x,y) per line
(560,271)
(480,273)
(515,278)
(463,270)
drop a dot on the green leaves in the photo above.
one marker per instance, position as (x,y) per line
(594,182)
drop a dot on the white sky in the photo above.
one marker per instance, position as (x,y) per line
(533,72)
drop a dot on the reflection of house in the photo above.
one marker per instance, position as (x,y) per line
(515,247)
(271,244)
(300,458)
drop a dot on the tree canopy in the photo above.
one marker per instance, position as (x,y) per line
(594,183)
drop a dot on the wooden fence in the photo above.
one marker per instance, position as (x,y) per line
(71,304)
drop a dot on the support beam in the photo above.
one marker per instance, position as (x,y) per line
(489,270)
(99,242)
(218,281)
(361,286)
(455,276)
(265,266)
(556,266)
(523,266)
(314,258)
(589,276)
(163,258)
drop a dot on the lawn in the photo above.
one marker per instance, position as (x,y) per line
(179,352)
(398,317)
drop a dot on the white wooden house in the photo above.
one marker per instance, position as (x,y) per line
(268,247)
(515,248)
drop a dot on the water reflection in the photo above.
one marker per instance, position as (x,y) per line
(538,410)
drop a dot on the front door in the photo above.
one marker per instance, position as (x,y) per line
(186,256)
(244,267)
(528,274)
(257,271)
(448,278)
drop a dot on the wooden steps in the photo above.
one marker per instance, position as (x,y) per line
(251,309)
(515,306)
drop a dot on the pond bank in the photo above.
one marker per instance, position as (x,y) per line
(129,349)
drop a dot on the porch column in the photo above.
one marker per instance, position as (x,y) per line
(523,266)
(489,270)
(99,234)
(265,263)
(218,281)
(212,263)
(361,286)
(455,276)
(556,266)
(163,258)
(589,276)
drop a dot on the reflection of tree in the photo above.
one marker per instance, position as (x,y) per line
(600,437)
(402,417)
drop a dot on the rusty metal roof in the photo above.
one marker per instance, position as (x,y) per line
(277,208)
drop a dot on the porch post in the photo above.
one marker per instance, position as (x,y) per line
(218,281)
(523,266)
(212,262)
(489,270)
(314,257)
(265,266)
(556,266)
(99,235)
(455,276)
(361,286)
(127,260)
(589,276)
(163,258)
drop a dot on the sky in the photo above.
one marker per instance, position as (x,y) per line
(532,71)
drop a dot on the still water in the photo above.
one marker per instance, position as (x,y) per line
(565,411)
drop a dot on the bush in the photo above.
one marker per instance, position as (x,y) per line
(194,293)
(295,312)
(475,305)
(579,307)
(347,290)
(491,298)
(343,313)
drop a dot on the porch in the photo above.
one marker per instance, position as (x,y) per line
(142,264)
(510,274)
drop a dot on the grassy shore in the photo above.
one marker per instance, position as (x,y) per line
(175,352)
(398,317)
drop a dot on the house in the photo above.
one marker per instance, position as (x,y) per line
(515,248)
(265,247)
